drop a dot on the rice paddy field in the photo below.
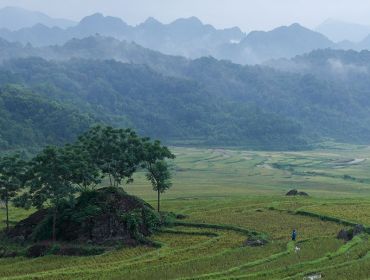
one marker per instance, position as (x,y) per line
(225,194)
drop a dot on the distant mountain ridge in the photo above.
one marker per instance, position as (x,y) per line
(285,41)
(190,38)
(14,18)
(339,31)
(185,37)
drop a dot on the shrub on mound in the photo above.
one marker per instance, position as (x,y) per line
(100,216)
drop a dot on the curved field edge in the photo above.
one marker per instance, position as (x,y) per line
(341,251)
(331,219)
(290,248)
(162,252)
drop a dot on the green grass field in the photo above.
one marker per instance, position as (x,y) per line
(225,194)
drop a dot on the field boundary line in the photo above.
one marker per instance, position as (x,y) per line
(181,232)
(289,249)
(221,227)
(330,219)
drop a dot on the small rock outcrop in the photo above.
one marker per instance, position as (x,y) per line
(295,192)
(255,242)
(349,234)
(345,235)
(292,193)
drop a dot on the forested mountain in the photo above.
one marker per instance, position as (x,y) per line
(14,18)
(208,102)
(323,94)
(172,109)
(285,41)
(97,47)
(337,65)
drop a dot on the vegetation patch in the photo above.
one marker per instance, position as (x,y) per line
(60,182)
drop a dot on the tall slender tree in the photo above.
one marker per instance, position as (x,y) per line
(154,155)
(12,170)
(160,178)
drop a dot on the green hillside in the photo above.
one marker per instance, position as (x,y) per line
(29,121)
(176,110)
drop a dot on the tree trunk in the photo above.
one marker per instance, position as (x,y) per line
(7,213)
(159,200)
(54,224)
(110,180)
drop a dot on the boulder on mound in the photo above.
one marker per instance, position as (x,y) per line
(295,192)
(100,216)
(292,192)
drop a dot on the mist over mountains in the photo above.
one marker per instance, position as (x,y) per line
(190,37)
(185,83)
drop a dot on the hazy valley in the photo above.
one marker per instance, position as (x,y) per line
(178,150)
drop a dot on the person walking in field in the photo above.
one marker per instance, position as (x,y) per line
(294,235)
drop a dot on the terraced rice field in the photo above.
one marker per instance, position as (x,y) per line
(224,195)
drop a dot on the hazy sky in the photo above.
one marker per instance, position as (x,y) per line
(247,14)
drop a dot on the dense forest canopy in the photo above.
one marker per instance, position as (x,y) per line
(28,120)
(172,109)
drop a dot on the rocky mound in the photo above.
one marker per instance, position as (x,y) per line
(349,234)
(99,217)
(296,193)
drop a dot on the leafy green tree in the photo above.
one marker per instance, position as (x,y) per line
(116,152)
(154,151)
(50,180)
(12,169)
(160,177)
(85,174)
